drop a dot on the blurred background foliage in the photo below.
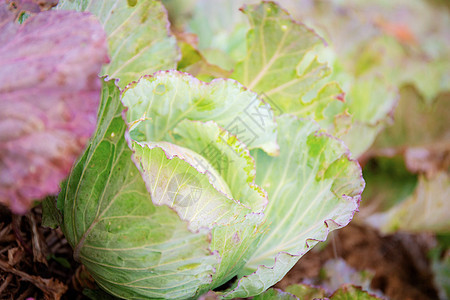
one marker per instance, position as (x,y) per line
(392,60)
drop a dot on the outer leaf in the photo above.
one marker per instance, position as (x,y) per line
(49,95)
(277,63)
(395,40)
(371,102)
(420,137)
(51,216)
(131,247)
(313,188)
(275,294)
(158,103)
(139,39)
(194,63)
(399,38)
(221,30)
(426,210)
(418,123)
(219,27)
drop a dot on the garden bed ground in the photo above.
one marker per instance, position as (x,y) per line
(35,261)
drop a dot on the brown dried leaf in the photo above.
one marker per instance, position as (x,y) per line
(37,241)
(52,289)
(15,255)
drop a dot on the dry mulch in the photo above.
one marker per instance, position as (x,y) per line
(399,262)
(37,262)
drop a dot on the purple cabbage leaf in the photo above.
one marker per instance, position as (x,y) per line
(49,94)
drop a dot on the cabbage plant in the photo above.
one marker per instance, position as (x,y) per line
(188,186)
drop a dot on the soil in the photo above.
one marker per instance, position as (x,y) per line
(37,262)
(399,262)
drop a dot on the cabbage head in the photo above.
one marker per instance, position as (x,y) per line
(186,186)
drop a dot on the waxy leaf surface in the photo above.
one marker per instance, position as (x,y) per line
(130,207)
(313,188)
(131,247)
(278,64)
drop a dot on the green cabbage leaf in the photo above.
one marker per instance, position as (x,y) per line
(187,186)
(167,200)
(139,38)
